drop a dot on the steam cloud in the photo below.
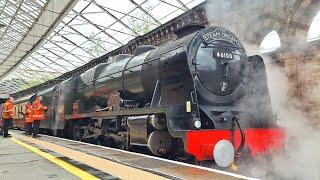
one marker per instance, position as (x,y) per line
(301,159)
(233,14)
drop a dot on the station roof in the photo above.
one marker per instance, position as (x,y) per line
(42,39)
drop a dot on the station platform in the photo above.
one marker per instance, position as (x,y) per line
(50,157)
(17,162)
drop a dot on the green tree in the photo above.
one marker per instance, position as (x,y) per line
(141,25)
(33,82)
(96,45)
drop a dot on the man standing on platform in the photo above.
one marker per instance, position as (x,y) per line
(38,114)
(1,130)
(7,116)
(28,117)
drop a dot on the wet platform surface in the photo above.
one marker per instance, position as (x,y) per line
(124,164)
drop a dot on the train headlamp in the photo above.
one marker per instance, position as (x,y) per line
(197,124)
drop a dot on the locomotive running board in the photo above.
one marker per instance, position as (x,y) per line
(114,113)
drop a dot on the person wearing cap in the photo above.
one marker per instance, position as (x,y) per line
(7,116)
(38,114)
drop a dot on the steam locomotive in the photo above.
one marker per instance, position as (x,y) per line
(197,96)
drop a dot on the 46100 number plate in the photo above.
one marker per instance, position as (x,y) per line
(222,54)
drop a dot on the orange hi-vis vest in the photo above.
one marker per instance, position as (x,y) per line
(38,110)
(8,111)
(28,116)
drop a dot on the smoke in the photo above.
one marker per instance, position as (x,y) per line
(301,159)
(217,10)
(244,18)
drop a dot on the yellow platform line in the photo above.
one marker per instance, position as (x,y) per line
(67,166)
(115,169)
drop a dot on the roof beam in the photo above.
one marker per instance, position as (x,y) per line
(118,20)
(147,13)
(183,5)
(51,15)
(15,13)
(98,27)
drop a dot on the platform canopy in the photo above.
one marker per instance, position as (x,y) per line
(42,39)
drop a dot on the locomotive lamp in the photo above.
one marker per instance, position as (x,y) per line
(197,124)
(196,121)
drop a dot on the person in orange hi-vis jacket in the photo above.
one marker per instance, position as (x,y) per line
(38,114)
(1,108)
(28,118)
(7,116)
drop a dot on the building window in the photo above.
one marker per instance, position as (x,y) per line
(314,30)
(270,42)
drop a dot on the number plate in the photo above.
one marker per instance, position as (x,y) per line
(223,54)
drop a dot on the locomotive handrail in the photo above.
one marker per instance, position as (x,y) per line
(211,43)
(122,112)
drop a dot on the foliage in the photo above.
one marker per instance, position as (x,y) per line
(141,25)
(34,82)
(31,84)
(96,45)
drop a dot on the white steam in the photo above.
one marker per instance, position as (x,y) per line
(242,17)
(302,159)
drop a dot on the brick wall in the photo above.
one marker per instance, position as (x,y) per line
(302,69)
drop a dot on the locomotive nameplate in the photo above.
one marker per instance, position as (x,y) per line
(220,34)
(223,54)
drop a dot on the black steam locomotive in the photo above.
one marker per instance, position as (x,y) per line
(198,95)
